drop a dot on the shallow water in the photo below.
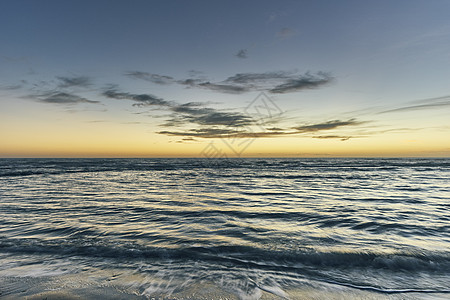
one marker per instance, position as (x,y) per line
(230,228)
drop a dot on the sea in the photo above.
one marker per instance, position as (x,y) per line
(230,228)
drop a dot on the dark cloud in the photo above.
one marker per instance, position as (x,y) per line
(244,132)
(203,133)
(141,99)
(221,118)
(55,91)
(342,138)
(155,78)
(190,82)
(191,108)
(302,82)
(431,103)
(80,81)
(62,98)
(213,123)
(182,114)
(258,78)
(326,125)
(219,87)
(241,53)
(224,88)
(193,113)
(275,82)
(247,132)
(214,132)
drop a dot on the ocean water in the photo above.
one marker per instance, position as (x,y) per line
(225,228)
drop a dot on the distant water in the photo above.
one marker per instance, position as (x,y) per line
(230,228)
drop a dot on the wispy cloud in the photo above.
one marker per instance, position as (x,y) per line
(155,78)
(340,137)
(61,98)
(307,81)
(202,132)
(431,103)
(189,139)
(182,114)
(277,82)
(219,87)
(246,131)
(58,92)
(79,81)
(140,99)
(214,132)
(194,113)
(252,79)
(193,120)
(224,88)
(241,53)
(327,125)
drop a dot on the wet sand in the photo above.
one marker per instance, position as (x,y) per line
(42,288)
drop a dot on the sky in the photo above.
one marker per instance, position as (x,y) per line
(224,78)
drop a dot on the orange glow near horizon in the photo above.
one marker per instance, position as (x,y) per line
(58,133)
(156,146)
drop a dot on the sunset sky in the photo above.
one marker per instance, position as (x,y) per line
(224,78)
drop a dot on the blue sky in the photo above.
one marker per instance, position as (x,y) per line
(346,75)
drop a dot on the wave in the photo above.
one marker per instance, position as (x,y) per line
(388,291)
(237,255)
(29,167)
